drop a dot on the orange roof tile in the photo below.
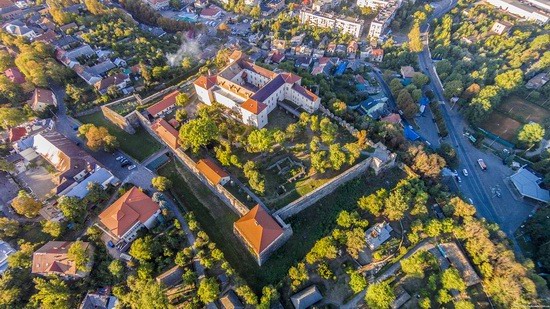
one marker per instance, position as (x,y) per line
(259,229)
(133,207)
(253,106)
(166,102)
(206,82)
(211,170)
(52,258)
(166,132)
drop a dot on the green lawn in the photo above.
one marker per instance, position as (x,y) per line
(139,145)
(310,225)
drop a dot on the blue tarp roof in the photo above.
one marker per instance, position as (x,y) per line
(406,81)
(410,134)
(424,101)
(341,68)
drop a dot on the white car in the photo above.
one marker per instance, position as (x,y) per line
(131,167)
(119,158)
(465,172)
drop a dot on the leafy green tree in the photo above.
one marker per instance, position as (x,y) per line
(298,275)
(26,205)
(182,99)
(374,202)
(181,115)
(142,249)
(355,242)
(453,88)
(325,272)
(339,107)
(72,208)
(396,86)
(11,117)
(433,228)
(324,248)
(328,130)
(380,295)
(116,268)
(6,166)
(292,131)
(198,133)
(269,295)
(161,183)
(396,205)
(531,133)
(406,104)
(357,281)
(260,140)
(346,219)
(510,79)
(8,227)
(51,294)
(246,293)
(415,41)
(420,80)
(451,280)
(256,12)
(142,293)
(189,277)
(23,257)
(79,255)
(336,156)
(255,179)
(208,290)
(53,228)
(319,162)
(464,304)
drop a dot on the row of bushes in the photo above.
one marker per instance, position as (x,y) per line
(439,121)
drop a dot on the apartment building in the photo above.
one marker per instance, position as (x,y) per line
(383,20)
(326,20)
(374,4)
(253,91)
(529,9)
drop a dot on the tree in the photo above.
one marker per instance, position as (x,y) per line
(406,104)
(142,293)
(98,137)
(339,107)
(259,140)
(246,293)
(53,228)
(451,280)
(116,268)
(298,275)
(336,156)
(181,115)
(380,295)
(328,130)
(23,257)
(531,133)
(8,227)
(458,208)
(255,179)
(208,290)
(161,183)
(510,79)
(453,88)
(324,248)
(94,6)
(256,12)
(72,208)
(396,205)
(415,41)
(292,131)
(346,219)
(198,133)
(182,99)
(142,249)
(396,86)
(51,294)
(26,205)
(79,254)
(269,295)
(6,166)
(420,80)
(11,117)
(319,162)
(357,281)
(355,242)
(374,202)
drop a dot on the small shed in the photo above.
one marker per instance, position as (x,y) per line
(231,301)
(306,298)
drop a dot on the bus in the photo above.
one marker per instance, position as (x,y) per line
(482,164)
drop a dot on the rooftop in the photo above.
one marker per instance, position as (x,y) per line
(211,170)
(166,102)
(259,229)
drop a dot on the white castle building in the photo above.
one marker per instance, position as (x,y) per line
(253,91)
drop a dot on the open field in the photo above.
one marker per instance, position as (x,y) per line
(217,220)
(139,145)
(525,111)
(500,124)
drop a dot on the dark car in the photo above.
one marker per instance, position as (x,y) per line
(111,244)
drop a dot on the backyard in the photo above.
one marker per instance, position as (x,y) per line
(139,145)
(217,220)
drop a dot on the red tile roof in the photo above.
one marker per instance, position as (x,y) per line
(378,52)
(15,75)
(259,229)
(253,106)
(206,82)
(52,258)
(133,207)
(166,132)
(290,78)
(211,11)
(17,133)
(211,170)
(167,101)
(392,118)
(174,123)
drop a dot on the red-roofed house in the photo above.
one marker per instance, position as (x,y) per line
(260,232)
(211,12)
(166,132)
(212,171)
(17,133)
(14,75)
(42,98)
(164,106)
(53,259)
(129,214)
(377,55)
(119,80)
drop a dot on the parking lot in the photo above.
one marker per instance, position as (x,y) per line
(39,181)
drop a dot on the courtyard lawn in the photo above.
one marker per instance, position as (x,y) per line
(139,145)
(217,220)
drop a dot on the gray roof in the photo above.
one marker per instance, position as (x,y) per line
(102,67)
(65,41)
(101,176)
(5,251)
(98,301)
(80,51)
(268,89)
(231,301)
(306,298)
(527,184)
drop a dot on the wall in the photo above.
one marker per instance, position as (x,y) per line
(329,187)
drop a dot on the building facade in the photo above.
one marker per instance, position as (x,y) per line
(384,18)
(325,20)
(527,11)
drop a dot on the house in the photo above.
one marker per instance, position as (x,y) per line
(353,47)
(42,99)
(377,55)
(8,10)
(5,251)
(383,19)
(18,28)
(527,185)
(323,66)
(87,74)
(538,81)
(174,123)
(164,106)
(119,81)
(212,171)
(158,4)
(65,42)
(407,72)
(306,298)
(200,3)
(17,133)
(303,62)
(275,56)
(102,68)
(67,27)
(46,24)
(15,76)
(170,277)
(47,37)
(501,26)
(120,62)
(230,301)
(130,213)
(392,118)
(378,234)
(166,132)
(99,300)
(260,232)
(253,91)
(331,48)
(100,175)
(53,259)
(278,44)
(211,12)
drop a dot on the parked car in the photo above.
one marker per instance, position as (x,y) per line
(458,179)
(465,172)
(119,158)
(110,244)
(131,167)
(125,164)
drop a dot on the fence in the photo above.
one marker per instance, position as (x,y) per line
(329,187)
(497,138)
